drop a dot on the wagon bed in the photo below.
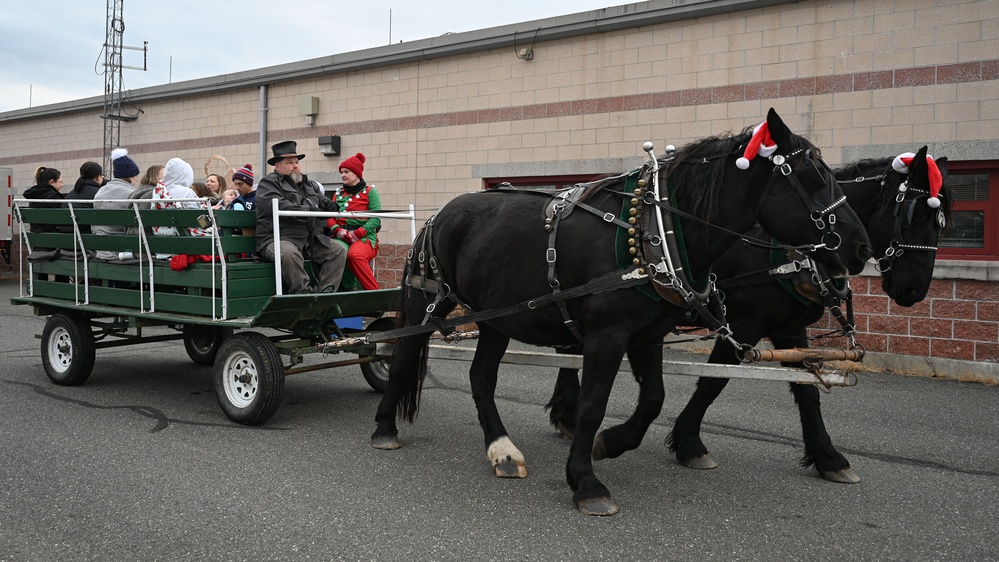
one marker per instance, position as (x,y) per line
(217,305)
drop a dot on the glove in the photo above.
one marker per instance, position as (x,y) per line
(328,205)
(360,232)
(342,234)
(351,237)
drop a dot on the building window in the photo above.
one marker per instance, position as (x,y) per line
(541,182)
(972,231)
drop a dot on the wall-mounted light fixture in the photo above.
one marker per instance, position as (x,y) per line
(330,145)
(525,53)
(309,107)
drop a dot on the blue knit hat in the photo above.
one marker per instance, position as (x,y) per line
(124,167)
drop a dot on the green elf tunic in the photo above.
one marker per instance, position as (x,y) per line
(361,197)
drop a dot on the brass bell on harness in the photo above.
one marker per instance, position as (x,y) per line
(641,183)
(633,211)
(634,201)
(632,221)
(631,242)
(633,250)
(632,232)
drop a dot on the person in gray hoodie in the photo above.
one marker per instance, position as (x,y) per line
(178,176)
(126,174)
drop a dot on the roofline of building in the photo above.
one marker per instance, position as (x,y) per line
(529,33)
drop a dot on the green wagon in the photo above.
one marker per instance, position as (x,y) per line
(225,306)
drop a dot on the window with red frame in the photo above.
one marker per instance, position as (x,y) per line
(972,231)
(541,182)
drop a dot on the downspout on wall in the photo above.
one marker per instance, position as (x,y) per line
(263,132)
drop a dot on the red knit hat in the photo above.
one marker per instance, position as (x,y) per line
(901,165)
(355,164)
(761,144)
(244,174)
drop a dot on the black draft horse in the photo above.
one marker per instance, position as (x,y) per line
(489,251)
(903,229)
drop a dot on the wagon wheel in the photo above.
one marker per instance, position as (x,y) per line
(377,371)
(249,378)
(202,342)
(68,349)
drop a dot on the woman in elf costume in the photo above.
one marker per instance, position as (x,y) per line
(359,234)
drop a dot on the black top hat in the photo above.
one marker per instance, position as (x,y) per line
(284,149)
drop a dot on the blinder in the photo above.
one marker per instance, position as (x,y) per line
(905,210)
(814,171)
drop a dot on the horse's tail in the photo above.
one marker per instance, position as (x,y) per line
(408,405)
(409,399)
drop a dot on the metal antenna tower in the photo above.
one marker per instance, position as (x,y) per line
(114,113)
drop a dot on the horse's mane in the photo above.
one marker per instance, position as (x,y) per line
(592,187)
(709,150)
(871,167)
(703,162)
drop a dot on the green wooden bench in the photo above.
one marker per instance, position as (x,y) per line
(245,283)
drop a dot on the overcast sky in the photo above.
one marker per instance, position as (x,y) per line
(52,50)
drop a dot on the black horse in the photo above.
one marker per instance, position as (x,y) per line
(489,251)
(903,229)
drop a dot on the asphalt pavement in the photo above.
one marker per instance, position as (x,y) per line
(140,463)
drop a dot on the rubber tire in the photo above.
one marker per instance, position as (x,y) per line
(201,349)
(68,349)
(377,372)
(253,401)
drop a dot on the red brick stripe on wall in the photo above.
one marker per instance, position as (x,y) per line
(794,87)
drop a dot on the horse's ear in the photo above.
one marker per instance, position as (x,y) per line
(778,130)
(918,174)
(918,165)
(942,165)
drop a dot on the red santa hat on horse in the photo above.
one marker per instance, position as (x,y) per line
(901,165)
(761,143)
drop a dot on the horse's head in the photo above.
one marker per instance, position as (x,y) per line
(905,227)
(803,205)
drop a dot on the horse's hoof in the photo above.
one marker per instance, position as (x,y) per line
(599,448)
(509,468)
(506,459)
(597,506)
(703,462)
(844,476)
(387,443)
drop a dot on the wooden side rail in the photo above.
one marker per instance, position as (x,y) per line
(234,285)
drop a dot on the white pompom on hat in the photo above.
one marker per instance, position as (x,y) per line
(760,144)
(901,165)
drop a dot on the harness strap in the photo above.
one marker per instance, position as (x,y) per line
(747,240)
(614,280)
(783,271)
(551,258)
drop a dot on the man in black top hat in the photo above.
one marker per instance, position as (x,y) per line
(301,237)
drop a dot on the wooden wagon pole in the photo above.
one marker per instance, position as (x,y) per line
(799,355)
